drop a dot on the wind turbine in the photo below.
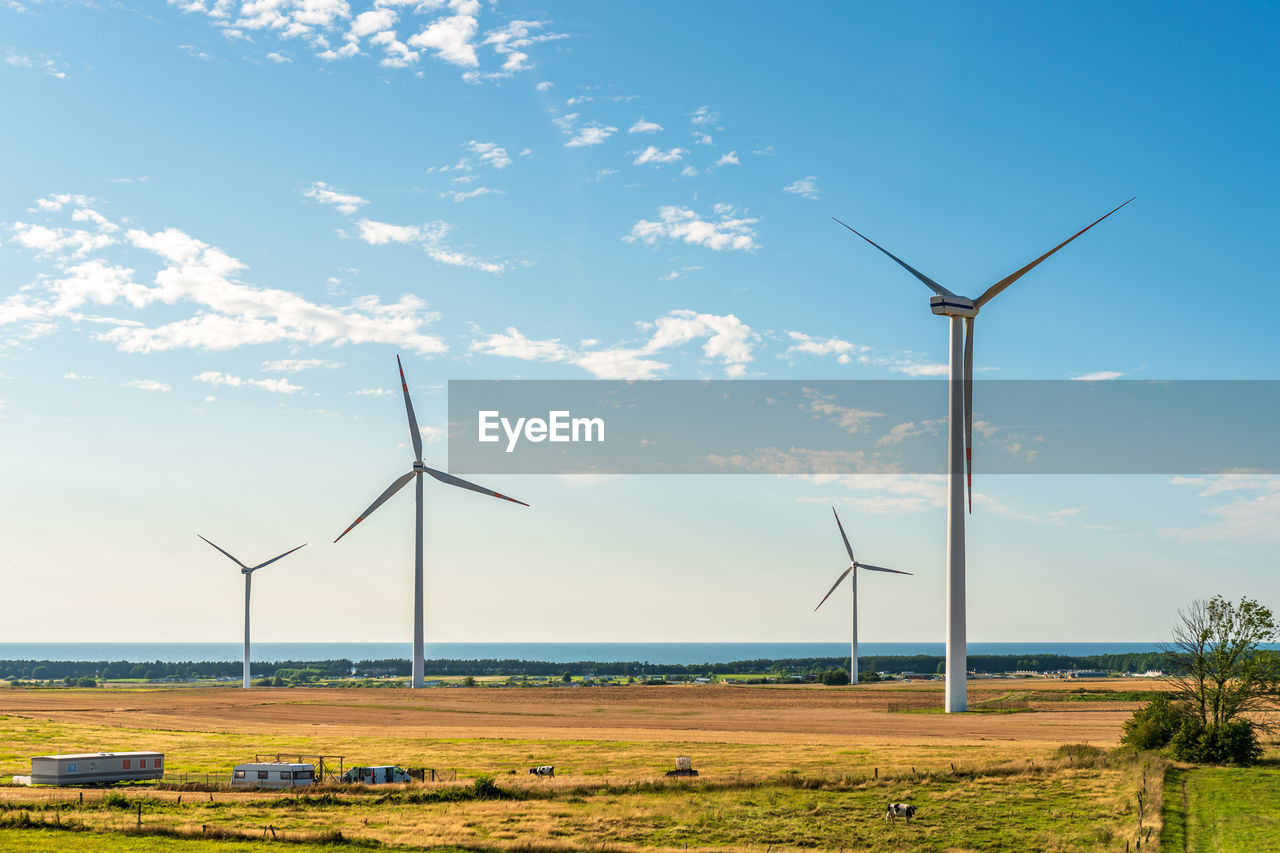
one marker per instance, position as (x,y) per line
(960,443)
(248,571)
(419,660)
(852,572)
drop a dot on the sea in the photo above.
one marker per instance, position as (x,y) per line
(653,653)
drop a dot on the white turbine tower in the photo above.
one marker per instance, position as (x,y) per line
(852,572)
(960,444)
(248,571)
(419,659)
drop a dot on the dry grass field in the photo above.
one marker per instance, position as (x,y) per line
(798,767)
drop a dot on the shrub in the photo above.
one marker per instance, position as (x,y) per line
(1153,726)
(115,800)
(86,682)
(1235,742)
(834,676)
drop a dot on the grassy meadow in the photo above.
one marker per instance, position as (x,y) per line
(781,769)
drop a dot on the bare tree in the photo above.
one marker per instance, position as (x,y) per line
(1221,673)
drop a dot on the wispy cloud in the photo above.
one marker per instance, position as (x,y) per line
(296,365)
(680,224)
(146,385)
(590,134)
(228,311)
(724,338)
(805,188)
(1252,513)
(1098,376)
(276,386)
(325,194)
(429,238)
(657,155)
(643,126)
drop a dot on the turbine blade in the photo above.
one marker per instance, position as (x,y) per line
(847,546)
(382,498)
(833,587)
(273,559)
(225,554)
(413,421)
(1000,285)
(880,569)
(463,484)
(928,282)
(968,407)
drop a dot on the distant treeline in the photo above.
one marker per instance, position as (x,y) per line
(928,664)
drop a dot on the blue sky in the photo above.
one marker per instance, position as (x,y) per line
(221,220)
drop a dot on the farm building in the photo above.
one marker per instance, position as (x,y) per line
(382,775)
(95,768)
(273,774)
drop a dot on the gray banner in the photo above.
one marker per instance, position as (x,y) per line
(860,427)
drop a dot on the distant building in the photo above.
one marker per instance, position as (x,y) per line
(93,768)
(273,774)
(382,775)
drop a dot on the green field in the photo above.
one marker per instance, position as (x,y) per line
(1222,810)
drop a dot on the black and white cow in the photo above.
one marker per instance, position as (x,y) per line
(900,810)
(543,770)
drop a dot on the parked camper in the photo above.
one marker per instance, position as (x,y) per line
(273,774)
(382,775)
(96,768)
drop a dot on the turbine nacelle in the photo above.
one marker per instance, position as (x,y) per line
(950,305)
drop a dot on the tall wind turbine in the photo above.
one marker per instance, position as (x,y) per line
(960,443)
(419,659)
(852,572)
(248,571)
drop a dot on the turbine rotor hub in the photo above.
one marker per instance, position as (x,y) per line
(953,306)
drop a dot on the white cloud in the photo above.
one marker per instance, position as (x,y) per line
(700,138)
(429,238)
(276,386)
(591,134)
(1098,376)
(642,126)
(730,159)
(657,155)
(809,345)
(325,194)
(848,419)
(513,344)
(294,365)
(75,376)
(54,241)
(146,385)
(39,63)
(703,117)
(805,188)
(1252,513)
(491,153)
(452,37)
(682,224)
(373,392)
(278,57)
(544,86)
(381,233)
(725,339)
(458,195)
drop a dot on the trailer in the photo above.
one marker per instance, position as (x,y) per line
(381,775)
(96,768)
(273,774)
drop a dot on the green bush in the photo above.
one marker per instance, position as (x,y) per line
(1235,742)
(833,676)
(1153,726)
(116,800)
(86,682)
